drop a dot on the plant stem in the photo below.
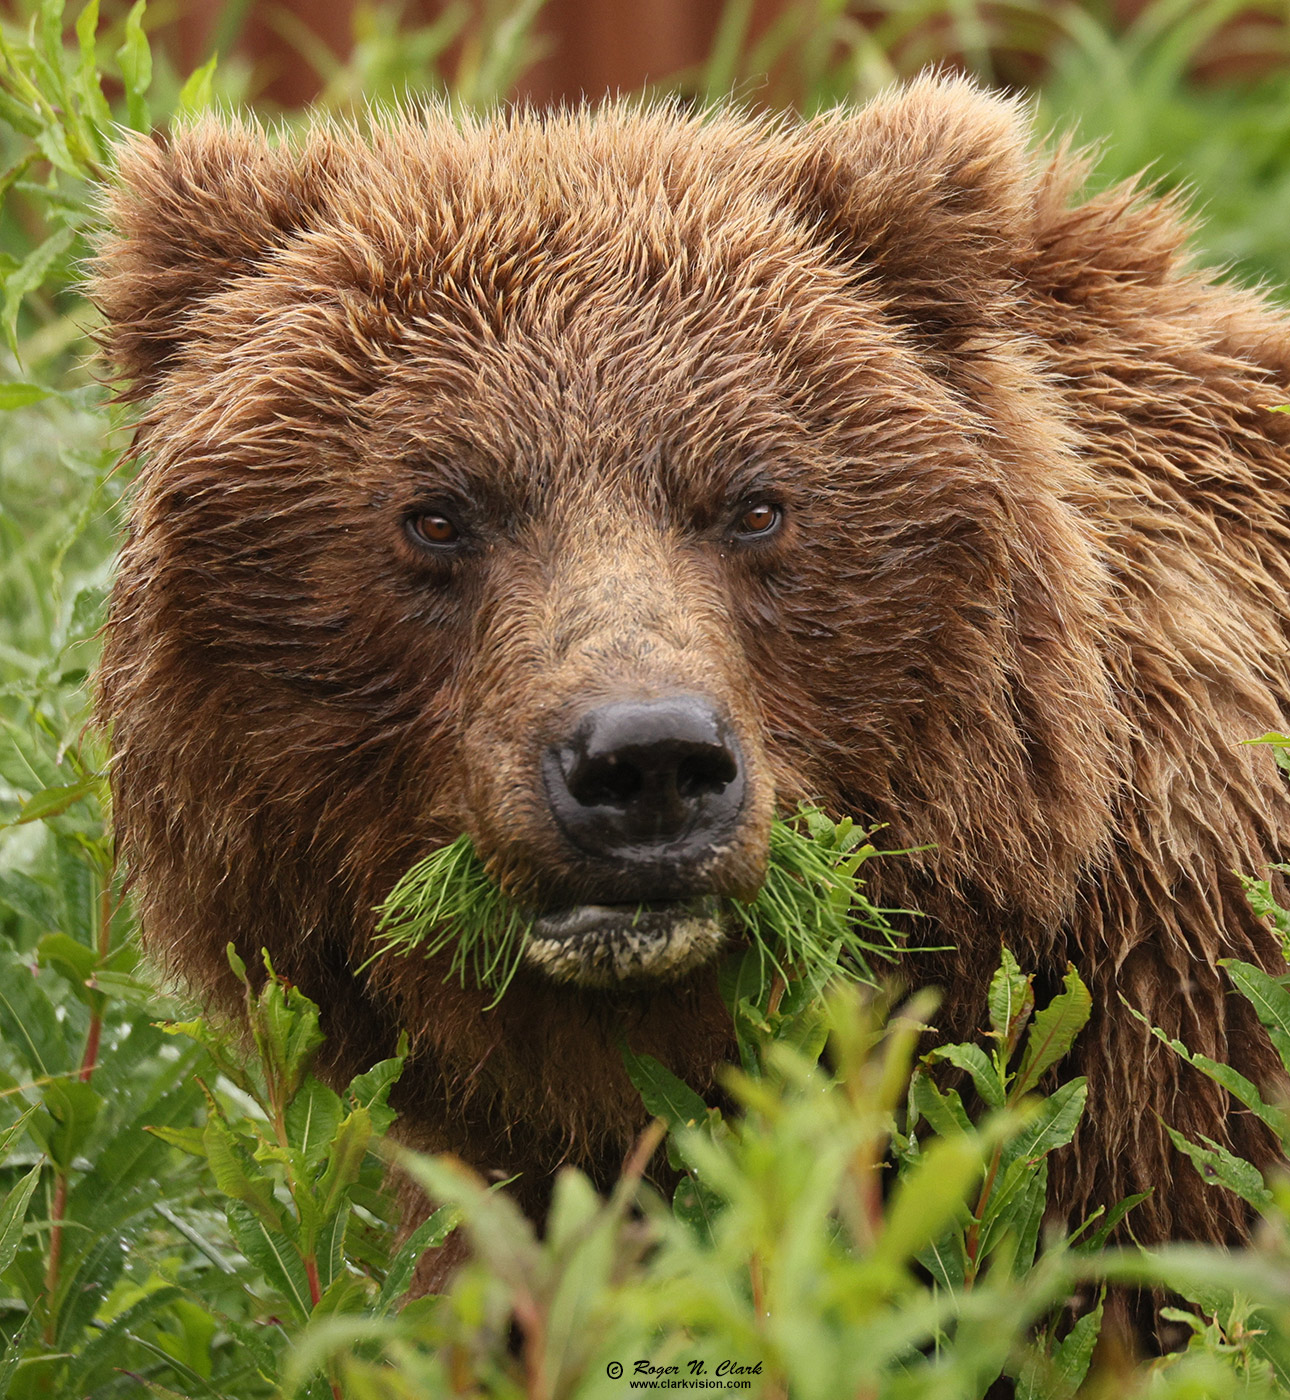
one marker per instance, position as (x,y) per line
(973,1242)
(55,1252)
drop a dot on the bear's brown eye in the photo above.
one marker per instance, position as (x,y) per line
(757,520)
(434,530)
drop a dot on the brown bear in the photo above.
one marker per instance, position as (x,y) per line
(598,483)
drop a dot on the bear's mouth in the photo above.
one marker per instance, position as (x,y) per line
(607,945)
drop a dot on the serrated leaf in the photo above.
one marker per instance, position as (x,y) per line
(1052,1125)
(430,1234)
(944,1111)
(1075,1351)
(237,1176)
(312,1119)
(352,1139)
(13,1211)
(54,801)
(1053,1032)
(1011,1000)
(1269,998)
(26,278)
(974,1061)
(70,1110)
(274,1255)
(1219,1167)
(663,1094)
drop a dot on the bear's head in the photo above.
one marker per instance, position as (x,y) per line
(594,484)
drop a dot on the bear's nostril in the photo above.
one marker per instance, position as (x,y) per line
(705,772)
(656,781)
(596,783)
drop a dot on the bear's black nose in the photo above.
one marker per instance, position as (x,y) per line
(648,782)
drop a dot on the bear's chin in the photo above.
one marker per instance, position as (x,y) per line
(615,945)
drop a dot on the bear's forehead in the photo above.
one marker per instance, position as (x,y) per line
(624,289)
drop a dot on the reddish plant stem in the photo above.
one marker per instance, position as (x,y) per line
(973,1242)
(55,1251)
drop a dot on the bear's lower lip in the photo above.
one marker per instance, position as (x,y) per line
(607,945)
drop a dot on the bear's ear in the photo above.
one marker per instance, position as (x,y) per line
(185,217)
(928,190)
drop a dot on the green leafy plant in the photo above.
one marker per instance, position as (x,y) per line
(851,1227)
(811,913)
(302,1195)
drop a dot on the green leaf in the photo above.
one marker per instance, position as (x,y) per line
(72,961)
(1270,999)
(663,1094)
(274,1255)
(30,898)
(929,1198)
(1053,1032)
(944,1111)
(237,1175)
(13,1353)
(88,87)
(70,1110)
(353,1137)
(13,1211)
(1011,1000)
(1234,1082)
(53,802)
(16,394)
(189,1140)
(135,59)
(26,278)
(1075,1352)
(195,95)
(1053,1124)
(975,1062)
(1118,1211)
(329,1249)
(430,1234)
(371,1090)
(312,1119)
(1015,1211)
(1218,1167)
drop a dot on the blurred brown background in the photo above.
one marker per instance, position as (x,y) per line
(592,46)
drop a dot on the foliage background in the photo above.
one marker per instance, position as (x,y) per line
(161,1228)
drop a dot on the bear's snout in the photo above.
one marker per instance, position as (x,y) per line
(654,788)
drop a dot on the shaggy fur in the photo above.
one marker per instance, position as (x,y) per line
(1028,598)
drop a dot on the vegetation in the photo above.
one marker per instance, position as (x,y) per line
(176,1220)
(811,912)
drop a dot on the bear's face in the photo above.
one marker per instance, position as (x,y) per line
(595,486)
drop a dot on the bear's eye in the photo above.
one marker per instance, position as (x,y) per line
(758,520)
(433,531)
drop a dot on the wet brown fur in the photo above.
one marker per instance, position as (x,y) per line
(1030,596)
